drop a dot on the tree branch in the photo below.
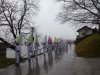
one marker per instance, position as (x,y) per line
(7,44)
(85,8)
(95,5)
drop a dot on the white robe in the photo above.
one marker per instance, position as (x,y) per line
(29,48)
(49,48)
(36,49)
(18,52)
(44,47)
(55,46)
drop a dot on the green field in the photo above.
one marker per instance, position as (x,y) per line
(89,47)
(4,61)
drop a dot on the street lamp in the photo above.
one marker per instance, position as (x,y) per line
(32,30)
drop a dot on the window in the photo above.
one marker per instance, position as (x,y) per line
(83,34)
(85,29)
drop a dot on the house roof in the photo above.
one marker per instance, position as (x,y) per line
(83,28)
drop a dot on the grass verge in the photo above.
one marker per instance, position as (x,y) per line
(4,61)
(89,47)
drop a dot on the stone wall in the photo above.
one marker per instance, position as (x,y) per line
(78,40)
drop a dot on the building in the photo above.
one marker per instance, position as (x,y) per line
(84,31)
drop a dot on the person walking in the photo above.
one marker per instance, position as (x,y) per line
(36,46)
(29,49)
(44,48)
(44,43)
(17,52)
(49,45)
(55,45)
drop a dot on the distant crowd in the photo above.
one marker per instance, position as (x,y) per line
(48,46)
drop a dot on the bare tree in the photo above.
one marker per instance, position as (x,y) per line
(17,16)
(81,11)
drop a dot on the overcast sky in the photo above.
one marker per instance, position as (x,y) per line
(48,25)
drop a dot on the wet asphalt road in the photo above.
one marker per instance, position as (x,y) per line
(56,63)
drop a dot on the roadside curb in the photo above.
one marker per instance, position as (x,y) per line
(15,62)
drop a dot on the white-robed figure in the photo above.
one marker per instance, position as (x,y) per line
(17,44)
(55,46)
(49,47)
(30,50)
(36,47)
(58,45)
(44,43)
(61,44)
(55,43)
(49,44)
(29,45)
(17,52)
(44,47)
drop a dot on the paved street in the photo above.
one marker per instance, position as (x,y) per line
(56,63)
(86,66)
(62,62)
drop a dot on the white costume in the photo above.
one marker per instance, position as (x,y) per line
(18,52)
(60,45)
(36,49)
(44,47)
(55,46)
(49,47)
(29,48)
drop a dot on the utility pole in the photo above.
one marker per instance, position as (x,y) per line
(32,30)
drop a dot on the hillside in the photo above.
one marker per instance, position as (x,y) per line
(89,47)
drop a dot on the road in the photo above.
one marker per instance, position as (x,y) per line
(57,63)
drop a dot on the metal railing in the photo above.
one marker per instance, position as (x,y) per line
(7,61)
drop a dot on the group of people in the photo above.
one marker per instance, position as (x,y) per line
(46,47)
(29,49)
